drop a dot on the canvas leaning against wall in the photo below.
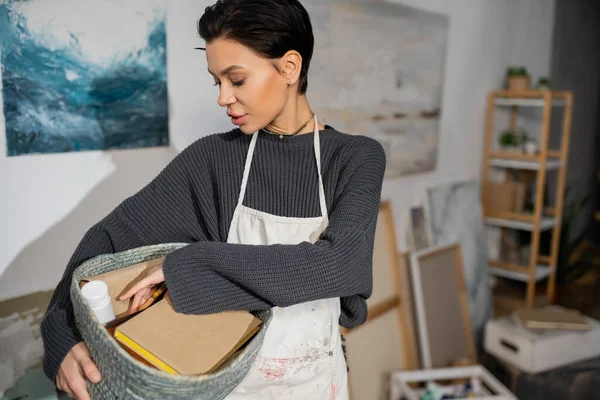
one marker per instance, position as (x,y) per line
(83,75)
(377,70)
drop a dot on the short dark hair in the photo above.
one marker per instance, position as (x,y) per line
(270,28)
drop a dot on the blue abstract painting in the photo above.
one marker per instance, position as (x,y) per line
(83,75)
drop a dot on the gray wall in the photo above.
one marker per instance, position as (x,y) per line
(576,66)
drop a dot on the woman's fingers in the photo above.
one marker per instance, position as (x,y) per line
(84,358)
(76,365)
(155,277)
(91,370)
(135,288)
(140,298)
(143,289)
(75,386)
(78,389)
(61,384)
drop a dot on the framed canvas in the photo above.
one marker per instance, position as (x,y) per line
(454,215)
(441,306)
(386,342)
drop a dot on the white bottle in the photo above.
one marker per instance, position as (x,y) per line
(96,295)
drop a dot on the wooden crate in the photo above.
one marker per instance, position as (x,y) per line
(409,384)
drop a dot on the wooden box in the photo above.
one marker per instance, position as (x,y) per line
(409,384)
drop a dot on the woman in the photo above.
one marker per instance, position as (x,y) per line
(279,213)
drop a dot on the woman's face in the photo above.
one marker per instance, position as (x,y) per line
(253,91)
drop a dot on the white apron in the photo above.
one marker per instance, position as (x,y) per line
(301,356)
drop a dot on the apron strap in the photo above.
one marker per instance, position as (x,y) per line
(247,168)
(317,144)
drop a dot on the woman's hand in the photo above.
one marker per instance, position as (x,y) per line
(143,290)
(74,368)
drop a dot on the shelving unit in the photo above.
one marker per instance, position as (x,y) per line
(540,267)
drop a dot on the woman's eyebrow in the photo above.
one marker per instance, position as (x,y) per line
(227,70)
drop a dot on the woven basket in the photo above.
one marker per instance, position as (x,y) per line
(123,377)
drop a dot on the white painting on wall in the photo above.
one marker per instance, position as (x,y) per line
(377,70)
(455,216)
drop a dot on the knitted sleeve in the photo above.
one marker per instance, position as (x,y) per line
(208,277)
(134,223)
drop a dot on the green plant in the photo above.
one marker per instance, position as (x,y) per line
(512,138)
(507,138)
(516,71)
(543,83)
(544,80)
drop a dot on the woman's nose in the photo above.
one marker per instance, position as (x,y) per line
(226,98)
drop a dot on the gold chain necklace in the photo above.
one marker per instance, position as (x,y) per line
(281,135)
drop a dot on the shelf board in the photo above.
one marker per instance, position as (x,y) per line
(522,164)
(546,223)
(523,102)
(541,272)
(523,157)
(531,94)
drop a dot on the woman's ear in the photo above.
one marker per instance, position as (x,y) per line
(291,66)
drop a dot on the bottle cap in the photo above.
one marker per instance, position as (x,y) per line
(95,293)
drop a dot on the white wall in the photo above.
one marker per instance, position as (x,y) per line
(49,201)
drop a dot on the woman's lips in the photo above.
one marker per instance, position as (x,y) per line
(238,120)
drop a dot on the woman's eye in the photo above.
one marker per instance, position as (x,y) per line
(237,83)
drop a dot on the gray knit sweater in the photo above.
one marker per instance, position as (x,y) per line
(192,200)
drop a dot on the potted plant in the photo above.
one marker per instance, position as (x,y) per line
(512,140)
(543,83)
(518,79)
(507,140)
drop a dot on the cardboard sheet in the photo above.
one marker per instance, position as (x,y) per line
(503,196)
(189,344)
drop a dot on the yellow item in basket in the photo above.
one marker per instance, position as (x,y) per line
(145,354)
(183,343)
